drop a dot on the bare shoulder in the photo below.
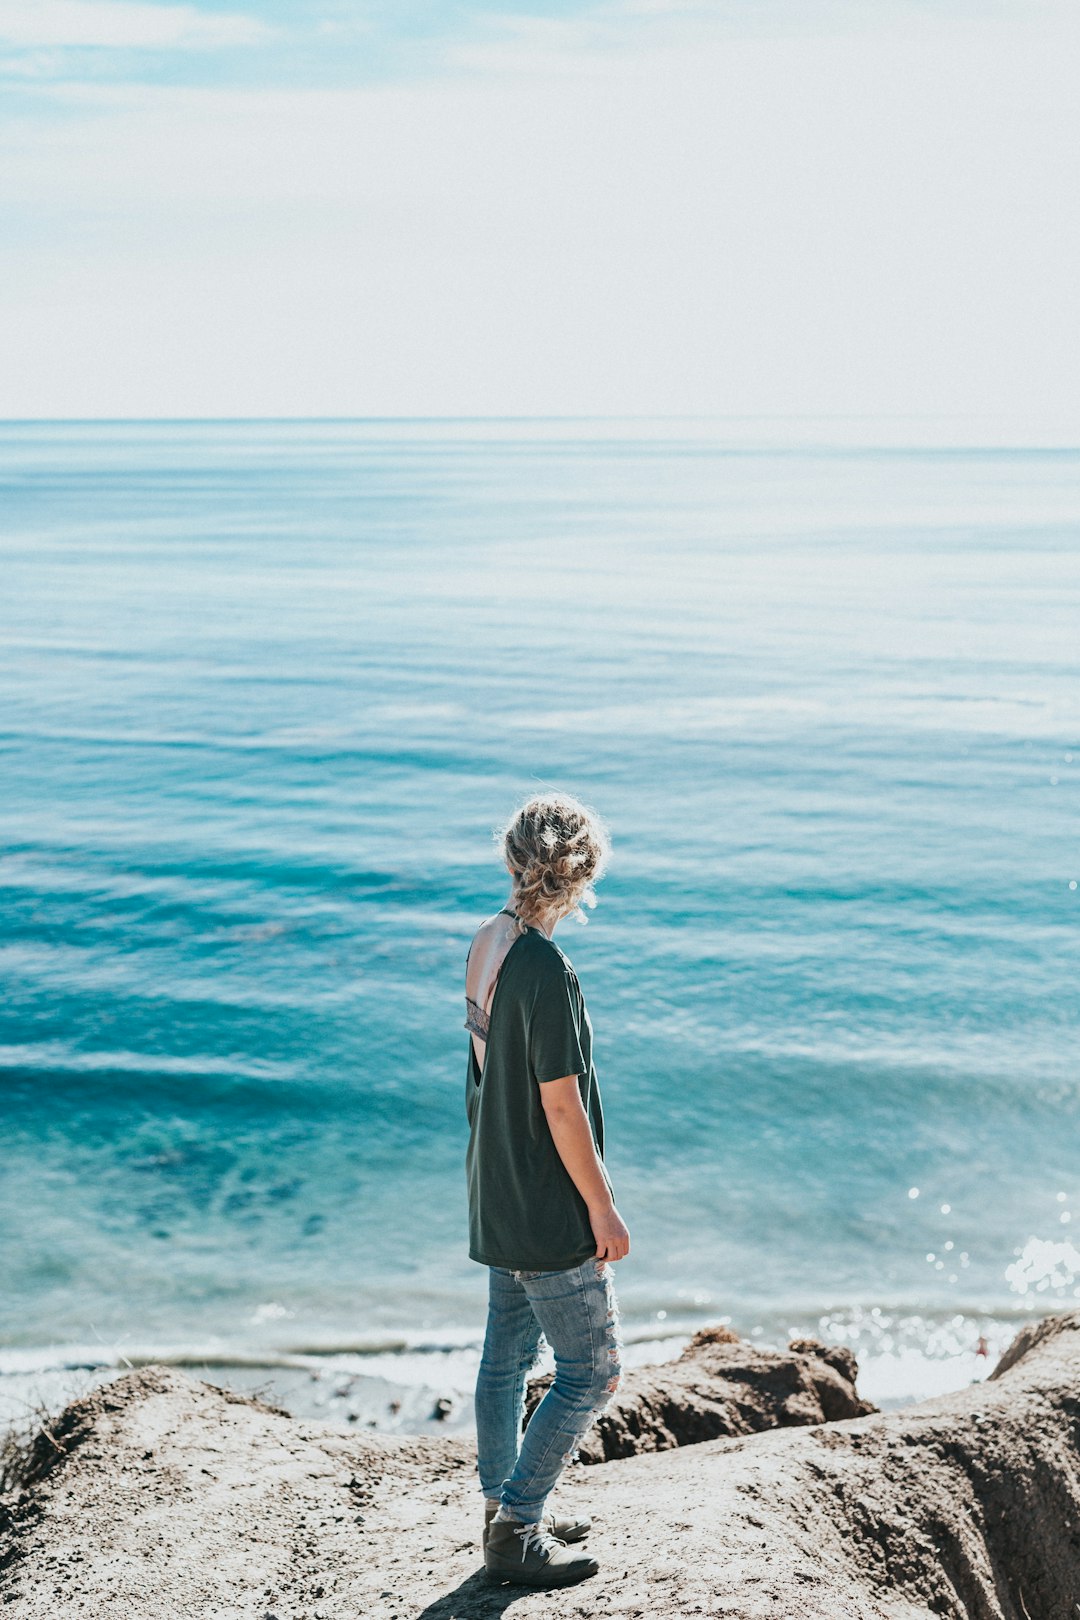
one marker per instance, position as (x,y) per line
(492,940)
(490,931)
(489,949)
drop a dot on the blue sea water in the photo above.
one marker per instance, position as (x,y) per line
(265,691)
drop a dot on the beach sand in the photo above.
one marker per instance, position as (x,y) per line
(159,1495)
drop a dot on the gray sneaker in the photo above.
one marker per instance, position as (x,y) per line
(575,1528)
(526,1555)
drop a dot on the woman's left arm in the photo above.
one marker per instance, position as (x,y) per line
(573,1138)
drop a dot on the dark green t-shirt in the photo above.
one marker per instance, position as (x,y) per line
(524,1211)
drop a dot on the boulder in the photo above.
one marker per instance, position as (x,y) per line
(720,1385)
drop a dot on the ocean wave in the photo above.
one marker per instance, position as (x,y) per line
(60,1057)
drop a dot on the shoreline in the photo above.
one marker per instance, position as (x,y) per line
(425,1387)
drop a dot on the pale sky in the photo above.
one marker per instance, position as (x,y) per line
(635,207)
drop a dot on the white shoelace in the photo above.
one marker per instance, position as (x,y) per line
(534,1535)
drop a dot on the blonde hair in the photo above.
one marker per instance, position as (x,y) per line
(556,849)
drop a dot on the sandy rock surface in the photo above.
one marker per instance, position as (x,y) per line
(162,1497)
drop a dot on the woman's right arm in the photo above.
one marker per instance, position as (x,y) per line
(573,1138)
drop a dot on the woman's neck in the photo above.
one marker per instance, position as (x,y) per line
(546,924)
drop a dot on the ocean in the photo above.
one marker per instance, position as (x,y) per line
(266,689)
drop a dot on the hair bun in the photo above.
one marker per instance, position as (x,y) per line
(556,848)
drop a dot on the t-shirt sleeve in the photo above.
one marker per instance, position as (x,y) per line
(554,1042)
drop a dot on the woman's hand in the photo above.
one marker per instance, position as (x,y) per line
(609,1230)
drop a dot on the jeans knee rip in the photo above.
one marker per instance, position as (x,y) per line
(612,1341)
(613,1360)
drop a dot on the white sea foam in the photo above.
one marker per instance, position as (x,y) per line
(903,1357)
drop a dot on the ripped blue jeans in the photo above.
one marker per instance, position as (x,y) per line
(577,1313)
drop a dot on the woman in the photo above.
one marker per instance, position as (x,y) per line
(542,1217)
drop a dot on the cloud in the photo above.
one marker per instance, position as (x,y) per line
(121,25)
(597,35)
(867,224)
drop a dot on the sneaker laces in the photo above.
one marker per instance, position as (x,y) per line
(535,1535)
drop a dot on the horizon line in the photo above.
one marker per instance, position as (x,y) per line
(1015,442)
